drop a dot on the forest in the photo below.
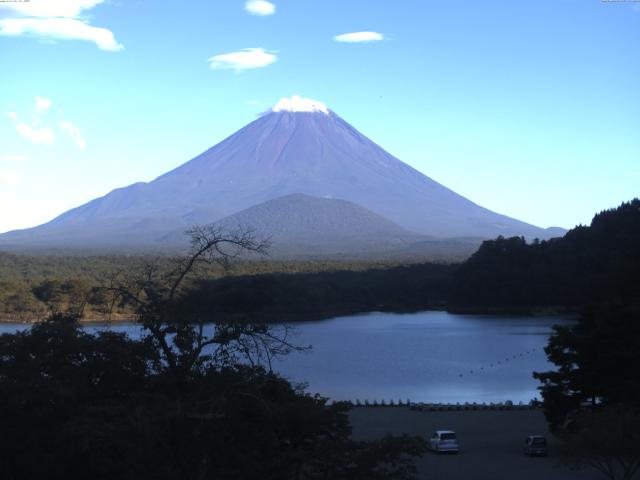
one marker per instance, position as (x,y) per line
(590,264)
(505,275)
(32,287)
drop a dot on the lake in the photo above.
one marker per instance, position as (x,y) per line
(421,357)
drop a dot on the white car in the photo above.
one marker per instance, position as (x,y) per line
(444,441)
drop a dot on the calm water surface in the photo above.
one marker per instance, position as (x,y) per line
(427,356)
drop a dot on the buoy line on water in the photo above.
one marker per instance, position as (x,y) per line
(500,362)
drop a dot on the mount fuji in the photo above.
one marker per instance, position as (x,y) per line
(298,147)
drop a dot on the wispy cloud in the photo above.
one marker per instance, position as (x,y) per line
(242,60)
(38,132)
(359,37)
(9,177)
(75,134)
(61,29)
(43,104)
(55,20)
(39,136)
(33,131)
(42,107)
(260,7)
(49,8)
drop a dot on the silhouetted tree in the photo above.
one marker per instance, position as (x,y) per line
(607,440)
(592,400)
(596,363)
(185,400)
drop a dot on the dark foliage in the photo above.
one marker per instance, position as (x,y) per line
(302,296)
(592,400)
(607,440)
(184,401)
(589,264)
(597,362)
(77,405)
(34,287)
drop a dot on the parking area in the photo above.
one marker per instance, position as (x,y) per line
(491,442)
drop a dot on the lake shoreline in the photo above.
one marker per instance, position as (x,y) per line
(429,356)
(532,311)
(300,317)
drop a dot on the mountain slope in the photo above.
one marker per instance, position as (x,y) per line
(309,226)
(307,218)
(285,151)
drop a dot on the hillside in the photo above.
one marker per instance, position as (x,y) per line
(589,264)
(311,225)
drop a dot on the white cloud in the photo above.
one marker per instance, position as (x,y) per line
(39,136)
(359,37)
(43,135)
(75,134)
(9,177)
(13,158)
(42,107)
(298,104)
(55,20)
(60,29)
(42,104)
(50,8)
(242,60)
(260,7)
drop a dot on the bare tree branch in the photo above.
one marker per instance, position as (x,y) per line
(208,245)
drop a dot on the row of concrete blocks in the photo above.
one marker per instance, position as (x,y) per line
(441,407)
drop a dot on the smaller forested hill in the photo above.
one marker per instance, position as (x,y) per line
(589,264)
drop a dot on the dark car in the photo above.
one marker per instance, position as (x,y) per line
(535,445)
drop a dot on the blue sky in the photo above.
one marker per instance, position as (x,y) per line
(531,109)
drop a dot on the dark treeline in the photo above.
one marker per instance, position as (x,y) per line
(279,296)
(588,265)
(32,287)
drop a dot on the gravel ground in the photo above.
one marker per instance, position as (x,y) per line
(491,443)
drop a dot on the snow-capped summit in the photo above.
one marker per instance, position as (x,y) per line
(298,104)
